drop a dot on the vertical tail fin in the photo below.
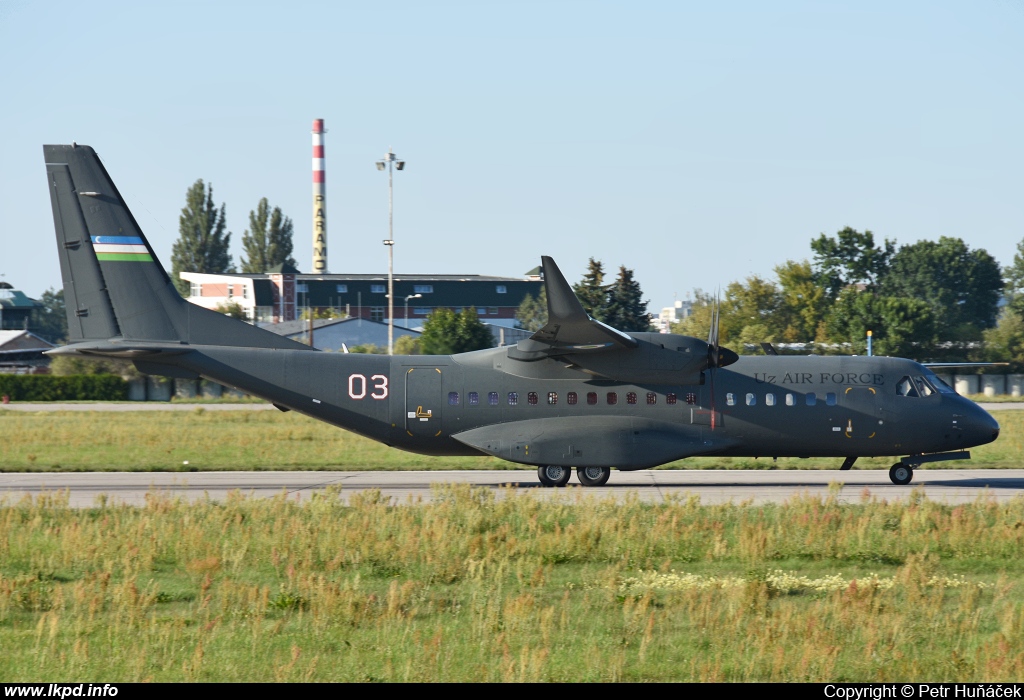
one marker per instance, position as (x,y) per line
(114,285)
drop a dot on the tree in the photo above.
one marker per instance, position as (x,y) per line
(851,257)
(803,304)
(232,309)
(446,333)
(407,345)
(202,245)
(960,285)
(268,240)
(592,292)
(51,320)
(532,314)
(1005,342)
(1015,281)
(626,309)
(901,326)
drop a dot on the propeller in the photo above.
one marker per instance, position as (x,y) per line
(717,355)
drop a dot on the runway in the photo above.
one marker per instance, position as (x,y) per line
(401,487)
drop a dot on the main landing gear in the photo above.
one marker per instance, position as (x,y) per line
(559,476)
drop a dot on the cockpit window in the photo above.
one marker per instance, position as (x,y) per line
(905,387)
(918,386)
(922,387)
(937,382)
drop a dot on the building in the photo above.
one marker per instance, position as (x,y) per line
(331,334)
(282,294)
(15,308)
(672,314)
(21,352)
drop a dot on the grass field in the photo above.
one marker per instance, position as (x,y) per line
(475,587)
(213,440)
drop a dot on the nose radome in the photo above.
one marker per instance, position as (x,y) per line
(984,428)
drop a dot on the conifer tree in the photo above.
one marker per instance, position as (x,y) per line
(626,310)
(268,240)
(592,292)
(203,245)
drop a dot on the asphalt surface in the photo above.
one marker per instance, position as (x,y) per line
(655,486)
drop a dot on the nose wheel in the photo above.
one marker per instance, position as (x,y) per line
(901,474)
(554,475)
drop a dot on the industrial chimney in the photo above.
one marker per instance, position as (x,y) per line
(319,200)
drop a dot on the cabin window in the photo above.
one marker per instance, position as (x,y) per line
(423,289)
(830,398)
(571,398)
(591,398)
(513,398)
(790,400)
(531,398)
(453,398)
(670,399)
(378,289)
(552,398)
(341,288)
(500,289)
(751,400)
(631,398)
(473,398)
(769,399)
(691,398)
(811,399)
(492,398)
(613,398)
(730,399)
(377,313)
(652,398)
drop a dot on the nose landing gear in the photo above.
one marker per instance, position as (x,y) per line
(901,474)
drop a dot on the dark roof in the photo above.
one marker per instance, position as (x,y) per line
(283,268)
(13,299)
(451,291)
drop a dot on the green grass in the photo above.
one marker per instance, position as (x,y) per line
(473,587)
(265,440)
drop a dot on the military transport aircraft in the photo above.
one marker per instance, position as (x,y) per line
(577,393)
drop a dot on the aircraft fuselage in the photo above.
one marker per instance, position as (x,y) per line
(485,402)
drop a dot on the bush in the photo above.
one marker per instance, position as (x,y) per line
(81,387)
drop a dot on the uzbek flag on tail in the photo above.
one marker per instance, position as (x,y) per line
(121,248)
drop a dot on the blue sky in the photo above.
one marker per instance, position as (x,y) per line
(696,143)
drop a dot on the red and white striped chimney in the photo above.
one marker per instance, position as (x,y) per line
(319,199)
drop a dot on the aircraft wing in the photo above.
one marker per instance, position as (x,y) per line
(569,328)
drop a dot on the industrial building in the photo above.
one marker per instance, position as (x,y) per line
(283,294)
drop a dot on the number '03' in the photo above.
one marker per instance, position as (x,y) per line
(357,386)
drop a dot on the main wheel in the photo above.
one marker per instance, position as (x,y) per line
(554,475)
(901,474)
(593,476)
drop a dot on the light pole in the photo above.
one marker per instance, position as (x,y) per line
(390,162)
(411,296)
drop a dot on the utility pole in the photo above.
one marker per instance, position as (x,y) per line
(390,162)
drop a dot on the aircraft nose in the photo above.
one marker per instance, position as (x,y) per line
(982,426)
